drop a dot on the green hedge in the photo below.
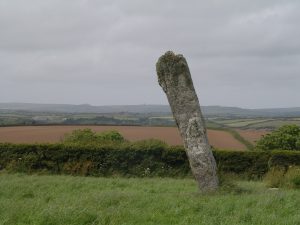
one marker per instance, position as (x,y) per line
(132,160)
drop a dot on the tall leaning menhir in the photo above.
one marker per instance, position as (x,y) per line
(175,79)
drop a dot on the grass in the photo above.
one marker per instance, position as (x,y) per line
(67,200)
(241,122)
(256,123)
(246,124)
(279,177)
(273,124)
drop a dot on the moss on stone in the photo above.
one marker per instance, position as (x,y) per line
(170,66)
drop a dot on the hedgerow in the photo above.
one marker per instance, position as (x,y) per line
(145,158)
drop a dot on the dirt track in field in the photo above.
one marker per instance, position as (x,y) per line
(52,134)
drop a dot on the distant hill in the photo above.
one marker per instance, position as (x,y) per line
(208,111)
(85,108)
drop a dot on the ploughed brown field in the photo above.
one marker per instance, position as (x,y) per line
(52,134)
(252,135)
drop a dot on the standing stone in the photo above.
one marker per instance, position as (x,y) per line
(175,79)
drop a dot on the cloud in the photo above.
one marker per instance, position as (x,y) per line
(109,49)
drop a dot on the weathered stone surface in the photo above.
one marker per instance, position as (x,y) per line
(175,79)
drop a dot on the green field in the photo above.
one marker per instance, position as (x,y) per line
(243,123)
(262,123)
(273,124)
(67,200)
(11,117)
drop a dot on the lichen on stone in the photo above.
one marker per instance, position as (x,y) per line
(175,79)
(169,67)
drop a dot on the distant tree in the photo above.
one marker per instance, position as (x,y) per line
(285,138)
(87,136)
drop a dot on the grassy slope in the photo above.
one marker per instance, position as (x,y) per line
(67,200)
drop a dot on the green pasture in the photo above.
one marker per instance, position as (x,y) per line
(64,200)
(262,123)
(274,124)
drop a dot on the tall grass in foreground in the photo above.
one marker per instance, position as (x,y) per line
(55,200)
(279,177)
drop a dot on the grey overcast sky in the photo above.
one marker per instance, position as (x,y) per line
(103,52)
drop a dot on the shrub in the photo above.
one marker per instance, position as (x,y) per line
(87,136)
(284,159)
(111,136)
(286,137)
(81,136)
